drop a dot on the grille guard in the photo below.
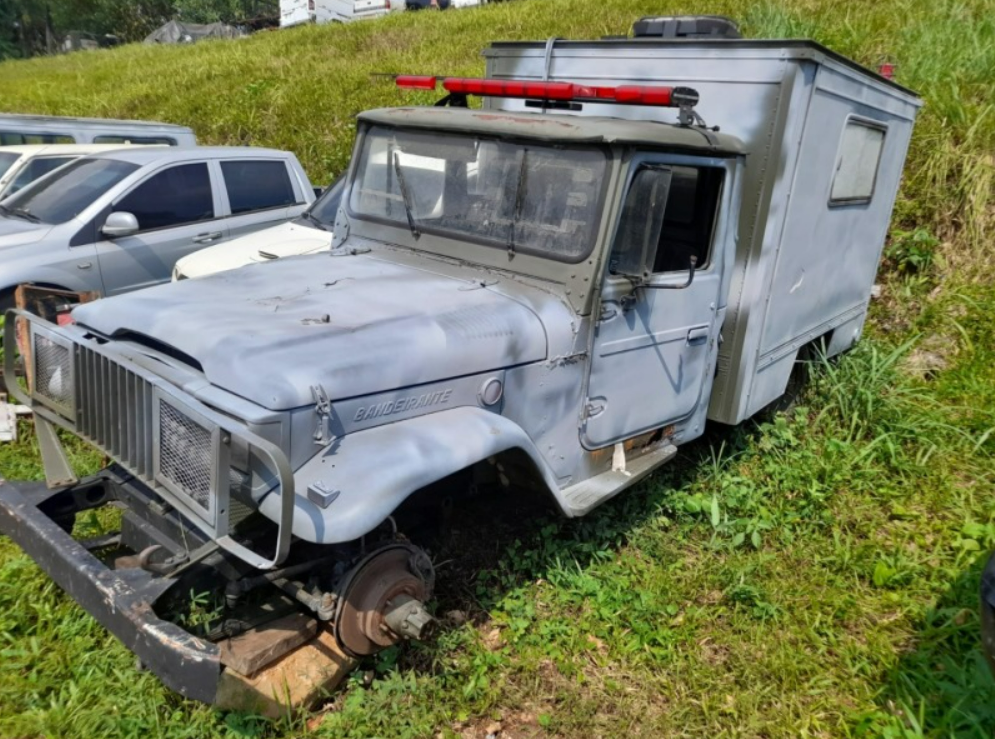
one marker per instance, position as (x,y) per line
(127,380)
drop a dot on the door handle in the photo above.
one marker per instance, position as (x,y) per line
(206,238)
(697,336)
(84,265)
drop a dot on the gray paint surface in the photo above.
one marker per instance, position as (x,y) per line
(355,325)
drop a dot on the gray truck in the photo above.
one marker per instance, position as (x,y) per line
(554,292)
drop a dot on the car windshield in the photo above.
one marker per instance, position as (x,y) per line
(36,168)
(6,159)
(69,191)
(522,196)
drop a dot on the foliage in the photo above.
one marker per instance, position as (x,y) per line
(229,11)
(912,252)
(809,574)
(32,27)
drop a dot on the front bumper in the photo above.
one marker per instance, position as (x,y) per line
(121,600)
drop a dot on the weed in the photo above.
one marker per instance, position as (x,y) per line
(912,252)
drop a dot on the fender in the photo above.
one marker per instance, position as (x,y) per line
(369,473)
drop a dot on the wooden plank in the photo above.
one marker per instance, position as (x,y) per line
(297,680)
(249,652)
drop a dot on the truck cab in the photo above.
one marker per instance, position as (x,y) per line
(615,234)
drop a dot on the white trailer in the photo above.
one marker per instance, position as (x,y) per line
(826,141)
(296,12)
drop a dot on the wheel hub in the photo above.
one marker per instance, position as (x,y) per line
(397,579)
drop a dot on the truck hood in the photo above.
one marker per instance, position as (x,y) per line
(287,239)
(355,325)
(15,231)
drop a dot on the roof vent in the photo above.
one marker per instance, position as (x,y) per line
(686,26)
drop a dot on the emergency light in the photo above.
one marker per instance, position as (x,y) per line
(666,97)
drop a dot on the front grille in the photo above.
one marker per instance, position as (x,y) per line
(115,411)
(185,451)
(53,373)
(185,454)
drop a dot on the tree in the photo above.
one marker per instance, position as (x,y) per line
(229,11)
(30,27)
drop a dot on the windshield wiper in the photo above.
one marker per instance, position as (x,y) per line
(404,196)
(308,216)
(519,199)
(19,213)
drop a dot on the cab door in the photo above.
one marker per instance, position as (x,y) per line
(658,324)
(177,212)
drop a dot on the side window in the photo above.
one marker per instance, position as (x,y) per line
(134,140)
(689,219)
(857,163)
(172,197)
(13,138)
(257,185)
(36,168)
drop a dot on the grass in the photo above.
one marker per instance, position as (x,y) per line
(812,573)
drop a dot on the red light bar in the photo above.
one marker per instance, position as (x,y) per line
(415,82)
(634,95)
(571,91)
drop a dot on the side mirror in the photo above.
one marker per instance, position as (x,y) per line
(693,264)
(318,191)
(119,223)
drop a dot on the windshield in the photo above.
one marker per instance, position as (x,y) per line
(520,196)
(69,191)
(6,159)
(35,169)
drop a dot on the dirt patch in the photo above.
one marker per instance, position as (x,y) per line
(512,725)
(713,654)
(933,355)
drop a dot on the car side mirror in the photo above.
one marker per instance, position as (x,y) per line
(693,263)
(318,191)
(119,223)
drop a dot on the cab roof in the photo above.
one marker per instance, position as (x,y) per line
(559,127)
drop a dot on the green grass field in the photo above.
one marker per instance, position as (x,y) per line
(812,573)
